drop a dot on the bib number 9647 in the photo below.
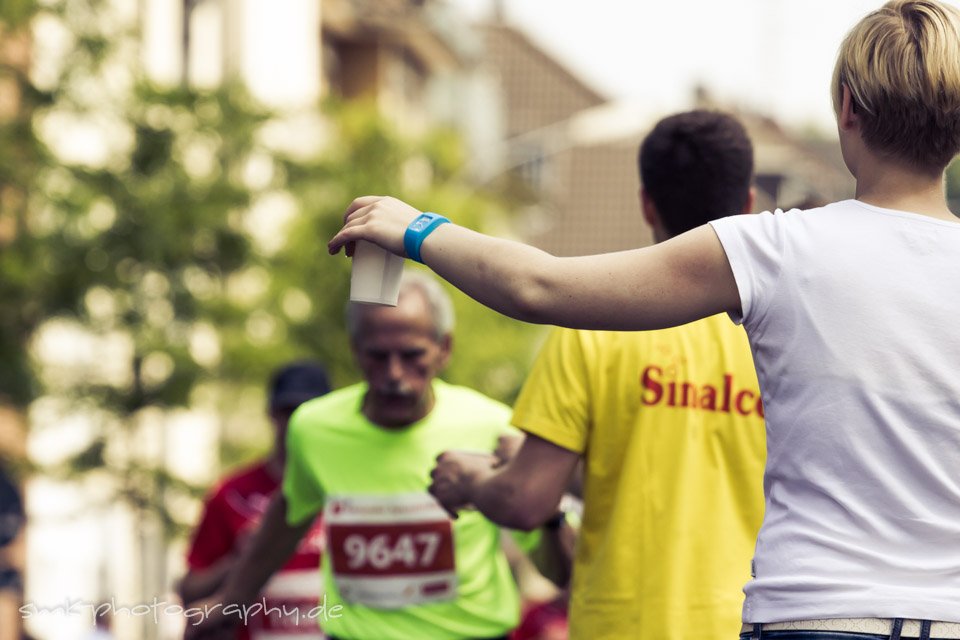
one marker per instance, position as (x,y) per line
(391,549)
(382,551)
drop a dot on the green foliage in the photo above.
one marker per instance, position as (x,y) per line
(14,14)
(143,246)
(22,258)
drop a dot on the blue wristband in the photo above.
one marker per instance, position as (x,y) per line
(422,226)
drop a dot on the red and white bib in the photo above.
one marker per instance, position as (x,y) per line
(390,551)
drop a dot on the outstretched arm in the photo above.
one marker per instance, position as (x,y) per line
(668,284)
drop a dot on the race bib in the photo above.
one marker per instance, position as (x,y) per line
(390,551)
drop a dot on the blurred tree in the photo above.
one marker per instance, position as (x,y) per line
(131,237)
(21,155)
(183,249)
(160,251)
(149,259)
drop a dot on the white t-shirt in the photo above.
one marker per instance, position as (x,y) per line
(853,314)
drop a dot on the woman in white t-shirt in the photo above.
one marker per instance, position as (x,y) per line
(852,312)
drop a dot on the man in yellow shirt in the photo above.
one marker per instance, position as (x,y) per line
(669,425)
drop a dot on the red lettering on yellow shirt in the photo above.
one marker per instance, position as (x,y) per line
(671,393)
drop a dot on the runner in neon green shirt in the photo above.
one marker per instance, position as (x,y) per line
(396,566)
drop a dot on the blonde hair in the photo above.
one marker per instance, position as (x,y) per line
(901,64)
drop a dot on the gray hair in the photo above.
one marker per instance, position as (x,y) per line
(441,308)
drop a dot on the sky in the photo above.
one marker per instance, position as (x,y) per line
(775,56)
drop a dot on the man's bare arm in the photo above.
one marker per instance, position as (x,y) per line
(521,494)
(200,583)
(269,548)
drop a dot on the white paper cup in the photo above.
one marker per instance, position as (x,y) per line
(375,275)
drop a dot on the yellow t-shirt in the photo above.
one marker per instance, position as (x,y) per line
(670,424)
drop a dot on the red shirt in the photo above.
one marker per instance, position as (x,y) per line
(231,514)
(543,621)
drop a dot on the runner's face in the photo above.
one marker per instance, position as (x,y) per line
(397,350)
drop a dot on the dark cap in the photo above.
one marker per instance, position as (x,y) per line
(297,382)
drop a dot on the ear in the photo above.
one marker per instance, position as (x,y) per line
(751,200)
(847,119)
(446,348)
(648,209)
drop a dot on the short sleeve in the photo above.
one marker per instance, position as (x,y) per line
(214,537)
(754,245)
(554,403)
(301,487)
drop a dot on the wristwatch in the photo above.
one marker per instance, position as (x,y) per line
(422,226)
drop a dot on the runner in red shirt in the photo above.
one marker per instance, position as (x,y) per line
(234,511)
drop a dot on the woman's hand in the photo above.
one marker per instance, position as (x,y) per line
(381,220)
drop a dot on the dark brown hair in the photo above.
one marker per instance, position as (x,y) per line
(696,166)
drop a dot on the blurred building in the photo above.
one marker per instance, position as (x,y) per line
(792,170)
(522,114)
(386,51)
(584,188)
(577,153)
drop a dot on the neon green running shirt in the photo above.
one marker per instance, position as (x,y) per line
(394,561)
